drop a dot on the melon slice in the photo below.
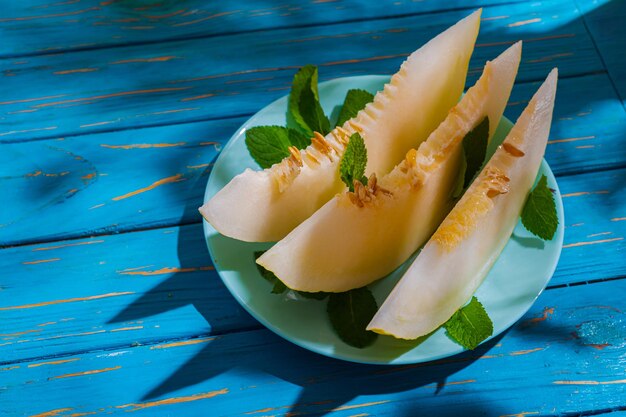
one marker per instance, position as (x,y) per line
(359,237)
(262,206)
(459,255)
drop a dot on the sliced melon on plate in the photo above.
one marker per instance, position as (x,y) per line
(359,237)
(456,259)
(262,206)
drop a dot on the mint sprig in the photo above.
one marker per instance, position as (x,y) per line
(305,111)
(278,286)
(353,162)
(269,145)
(355,101)
(470,325)
(349,313)
(539,213)
(474,151)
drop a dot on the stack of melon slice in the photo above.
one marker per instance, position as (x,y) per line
(264,206)
(334,240)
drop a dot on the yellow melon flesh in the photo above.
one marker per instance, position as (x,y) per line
(359,237)
(262,206)
(459,255)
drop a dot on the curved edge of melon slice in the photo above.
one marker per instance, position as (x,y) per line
(460,254)
(300,184)
(357,238)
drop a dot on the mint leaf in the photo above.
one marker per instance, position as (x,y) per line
(353,162)
(470,325)
(355,101)
(474,149)
(314,295)
(459,186)
(269,145)
(349,313)
(305,112)
(539,213)
(279,287)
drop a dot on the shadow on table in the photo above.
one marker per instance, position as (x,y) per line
(326,384)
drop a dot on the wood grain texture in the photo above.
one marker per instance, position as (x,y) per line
(567,354)
(605,21)
(152,177)
(46,26)
(141,287)
(75,93)
(112,291)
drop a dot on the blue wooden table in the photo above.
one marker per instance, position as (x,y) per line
(112,113)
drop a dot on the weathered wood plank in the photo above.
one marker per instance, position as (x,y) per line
(152,177)
(72,93)
(144,286)
(112,291)
(605,21)
(45,26)
(565,356)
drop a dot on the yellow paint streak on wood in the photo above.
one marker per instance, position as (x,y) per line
(600,234)
(35,365)
(351,407)
(522,414)
(19,333)
(173,178)
(75,71)
(68,300)
(12,132)
(360,415)
(9,368)
(144,145)
(48,16)
(52,413)
(166,271)
(124,329)
(200,97)
(618,219)
(525,352)
(198,166)
(550,57)
(82,414)
(578,194)
(524,22)
(550,142)
(593,242)
(48,323)
(184,343)
(617,381)
(356,61)
(191,22)
(62,336)
(176,110)
(485,19)
(543,38)
(90,242)
(92,372)
(586,147)
(120,94)
(28,100)
(108,122)
(174,400)
(41,261)
(155,59)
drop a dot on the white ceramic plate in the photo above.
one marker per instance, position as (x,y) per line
(514,283)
